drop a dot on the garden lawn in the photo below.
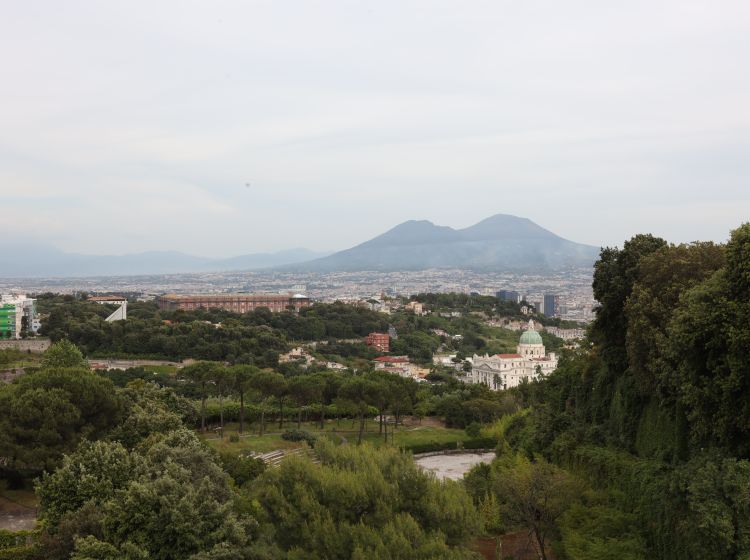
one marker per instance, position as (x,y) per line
(345,432)
(163,369)
(499,341)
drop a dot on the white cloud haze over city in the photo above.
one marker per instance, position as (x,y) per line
(221,128)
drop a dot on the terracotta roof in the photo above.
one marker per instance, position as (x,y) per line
(227,297)
(508,356)
(392,359)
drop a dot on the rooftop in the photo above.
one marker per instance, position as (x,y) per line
(531,336)
(393,359)
(232,296)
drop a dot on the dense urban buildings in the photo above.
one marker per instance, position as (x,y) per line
(566,334)
(17,316)
(503,371)
(573,286)
(238,303)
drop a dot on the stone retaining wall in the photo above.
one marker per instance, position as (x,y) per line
(34,344)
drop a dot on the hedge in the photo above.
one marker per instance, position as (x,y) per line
(26,552)
(469,444)
(17,545)
(14,539)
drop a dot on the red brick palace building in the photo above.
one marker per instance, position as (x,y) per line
(238,303)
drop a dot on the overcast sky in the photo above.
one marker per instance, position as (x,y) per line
(132,126)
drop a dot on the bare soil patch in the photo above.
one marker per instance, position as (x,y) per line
(517,546)
(453,466)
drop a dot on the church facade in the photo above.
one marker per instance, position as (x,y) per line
(503,371)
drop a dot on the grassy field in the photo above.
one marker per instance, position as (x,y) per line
(344,431)
(12,359)
(14,499)
(417,435)
(500,341)
(163,369)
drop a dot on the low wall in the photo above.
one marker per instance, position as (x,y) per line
(34,344)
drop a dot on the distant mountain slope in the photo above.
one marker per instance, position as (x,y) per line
(29,260)
(501,242)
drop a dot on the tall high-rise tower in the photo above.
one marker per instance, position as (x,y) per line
(551,305)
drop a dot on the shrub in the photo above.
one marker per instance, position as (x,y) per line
(12,539)
(474,429)
(299,435)
(242,469)
(29,552)
(17,545)
(432,446)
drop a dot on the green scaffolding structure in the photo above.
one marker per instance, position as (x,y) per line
(7,321)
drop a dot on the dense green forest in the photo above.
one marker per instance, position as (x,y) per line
(259,337)
(653,416)
(123,475)
(51,409)
(209,334)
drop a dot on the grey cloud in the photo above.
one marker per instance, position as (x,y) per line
(597,120)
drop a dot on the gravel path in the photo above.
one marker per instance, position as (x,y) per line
(17,521)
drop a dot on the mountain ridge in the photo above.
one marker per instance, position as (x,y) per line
(499,242)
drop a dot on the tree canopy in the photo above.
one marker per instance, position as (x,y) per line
(654,410)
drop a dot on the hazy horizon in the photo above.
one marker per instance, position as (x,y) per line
(251,127)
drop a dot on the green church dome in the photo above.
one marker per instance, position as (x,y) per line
(531,337)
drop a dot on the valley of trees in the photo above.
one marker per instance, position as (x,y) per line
(636,448)
(259,337)
(252,338)
(121,473)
